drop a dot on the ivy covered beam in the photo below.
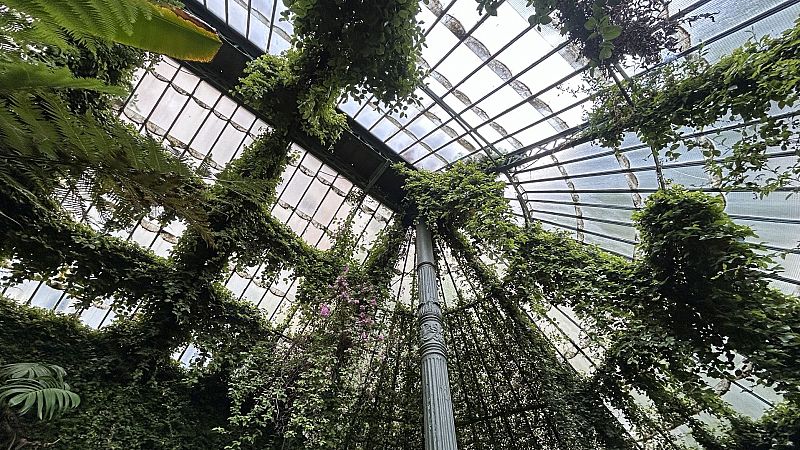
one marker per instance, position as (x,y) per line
(440,431)
(357,154)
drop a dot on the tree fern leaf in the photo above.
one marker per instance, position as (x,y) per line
(68,126)
(18,76)
(41,132)
(12,131)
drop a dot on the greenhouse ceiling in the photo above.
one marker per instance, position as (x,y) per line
(503,89)
(257,307)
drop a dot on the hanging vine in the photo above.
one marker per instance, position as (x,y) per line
(697,299)
(607,31)
(757,84)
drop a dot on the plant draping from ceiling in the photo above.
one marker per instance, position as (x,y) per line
(345,350)
(757,84)
(695,302)
(182,298)
(608,31)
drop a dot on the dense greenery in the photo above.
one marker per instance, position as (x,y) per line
(694,303)
(340,370)
(753,84)
(358,48)
(608,31)
(507,368)
(58,133)
(463,197)
(173,301)
(119,408)
(340,49)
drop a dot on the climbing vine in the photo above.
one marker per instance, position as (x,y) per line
(464,197)
(696,301)
(293,391)
(607,31)
(757,84)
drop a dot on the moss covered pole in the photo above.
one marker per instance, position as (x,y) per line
(440,431)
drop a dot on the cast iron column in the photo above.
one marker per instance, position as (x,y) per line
(440,430)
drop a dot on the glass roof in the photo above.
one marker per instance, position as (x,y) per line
(207,128)
(497,86)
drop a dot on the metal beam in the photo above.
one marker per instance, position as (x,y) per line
(363,159)
(440,431)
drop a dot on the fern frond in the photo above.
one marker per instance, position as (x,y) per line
(45,148)
(23,76)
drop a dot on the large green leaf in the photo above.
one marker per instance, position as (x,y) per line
(138,23)
(34,386)
(31,371)
(48,396)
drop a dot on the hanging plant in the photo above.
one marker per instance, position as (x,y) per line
(358,48)
(464,197)
(747,85)
(607,31)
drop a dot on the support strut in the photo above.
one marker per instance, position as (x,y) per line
(440,431)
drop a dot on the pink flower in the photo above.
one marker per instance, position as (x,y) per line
(324,310)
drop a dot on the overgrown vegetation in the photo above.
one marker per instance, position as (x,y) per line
(756,84)
(339,372)
(692,306)
(607,31)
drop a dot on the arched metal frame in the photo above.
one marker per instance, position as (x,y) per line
(554,179)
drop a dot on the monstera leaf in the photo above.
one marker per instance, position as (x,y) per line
(29,387)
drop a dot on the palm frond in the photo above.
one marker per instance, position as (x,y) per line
(38,386)
(138,23)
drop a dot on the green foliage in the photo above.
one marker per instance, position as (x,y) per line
(464,197)
(30,387)
(569,405)
(697,297)
(608,31)
(58,139)
(699,259)
(276,86)
(775,430)
(118,409)
(113,64)
(340,48)
(745,85)
(49,149)
(358,48)
(292,392)
(30,77)
(137,23)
